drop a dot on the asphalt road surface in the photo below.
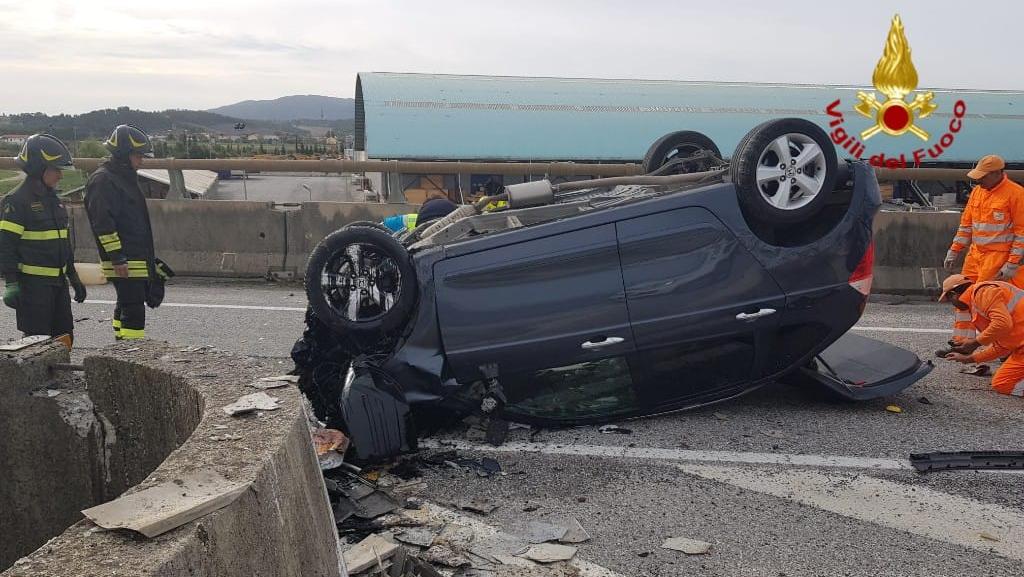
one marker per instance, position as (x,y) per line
(779,482)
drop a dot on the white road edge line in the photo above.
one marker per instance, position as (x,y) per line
(681,455)
(303,309)
(918,510)
(211,306)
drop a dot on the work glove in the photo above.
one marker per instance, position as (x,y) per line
(950,261)
(1008,271)
(12,294)
(79,289)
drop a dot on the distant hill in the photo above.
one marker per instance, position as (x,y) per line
(98,123)
(291,108)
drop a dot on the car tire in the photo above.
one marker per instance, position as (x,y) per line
(789,156)
(367,260)
(681,144)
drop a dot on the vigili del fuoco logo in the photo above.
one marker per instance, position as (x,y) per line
(896,78)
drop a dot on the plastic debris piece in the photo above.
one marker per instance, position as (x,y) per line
(688,546)
(924,401)
(254,402)
(374,505)
(607,429)
(894,409)
(548,553)
(977,370)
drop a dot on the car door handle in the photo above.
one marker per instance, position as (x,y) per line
(757,315)
(592,345)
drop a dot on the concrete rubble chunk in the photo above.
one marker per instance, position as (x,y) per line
(254,402)
(419,536)
(548,553)
(540,532)
(688,546)
(482,506)
(575,533)
(457,536)
(160,508)
(444,555)
(364,554)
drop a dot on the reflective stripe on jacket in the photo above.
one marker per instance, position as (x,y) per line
(993,220)
(998,314)
(34,238)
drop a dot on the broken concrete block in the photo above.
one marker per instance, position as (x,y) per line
(419,536)
(548,553)
(575,533)
(444,555)
(688,546)
(539,532)
(254,402)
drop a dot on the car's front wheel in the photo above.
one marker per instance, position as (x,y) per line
(784,171)
(686,150)
(359,279)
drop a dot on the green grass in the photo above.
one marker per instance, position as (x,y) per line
(72,179)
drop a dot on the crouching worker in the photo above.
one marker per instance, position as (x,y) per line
(36,258)
(997,313)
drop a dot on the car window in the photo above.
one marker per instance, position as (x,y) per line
(588,390)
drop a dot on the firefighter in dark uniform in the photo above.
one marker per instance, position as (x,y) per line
(35,252)
(120,222)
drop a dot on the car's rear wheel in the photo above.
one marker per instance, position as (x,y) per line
(784,171)
(359,279)
(686,150)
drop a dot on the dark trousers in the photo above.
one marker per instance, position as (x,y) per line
(44,307)
(130,311)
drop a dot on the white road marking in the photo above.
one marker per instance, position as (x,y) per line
(919,510)
(681,455)
(904,330)
(212,306)
(303,309)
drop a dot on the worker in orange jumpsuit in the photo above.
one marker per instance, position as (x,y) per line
(997,312)
(992,226)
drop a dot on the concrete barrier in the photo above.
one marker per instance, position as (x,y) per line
(906,243)
(144,414)
(238,239)
(308,225)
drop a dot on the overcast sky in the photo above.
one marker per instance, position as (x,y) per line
(78,55)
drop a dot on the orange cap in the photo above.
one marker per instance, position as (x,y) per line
(987,164)
(953,282)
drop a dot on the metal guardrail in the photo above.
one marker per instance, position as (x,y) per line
(553,169)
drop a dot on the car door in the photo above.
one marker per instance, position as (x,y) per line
(544,303)
(702,309)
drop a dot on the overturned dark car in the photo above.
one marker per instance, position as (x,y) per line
(587,302)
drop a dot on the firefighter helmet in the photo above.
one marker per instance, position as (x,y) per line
(127,139)
(42,151)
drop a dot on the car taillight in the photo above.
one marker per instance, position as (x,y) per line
(860,279)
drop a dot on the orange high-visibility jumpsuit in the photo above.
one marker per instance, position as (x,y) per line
(992,226)
(997,312)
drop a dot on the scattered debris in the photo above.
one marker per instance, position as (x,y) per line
(894,409)
(342,510)
(977,370)
(444,555)
(254,402)
(485,467)
(924,400)
(989,536)
(331,460)
(688,546)
(162,507)
(482,506)
(575,533)
(293,379)
(413,504)
(374,505)
(419,536)
(368,553)
(721,416)
(221,427)
(540,532)
(132,350)
(83,319)
(497,431)
(606,429)
(228,437)
(530,508)
(977,460)
(46,393)
(327,440)
(548,553)
(23,343)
